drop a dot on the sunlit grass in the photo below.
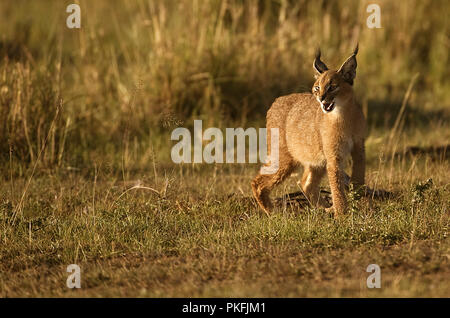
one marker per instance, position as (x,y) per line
(85,168)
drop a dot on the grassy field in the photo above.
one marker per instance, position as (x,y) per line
(86,176)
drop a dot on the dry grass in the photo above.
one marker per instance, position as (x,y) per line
(200,238)
(85,166)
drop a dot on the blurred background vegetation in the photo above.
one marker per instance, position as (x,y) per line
(114,89)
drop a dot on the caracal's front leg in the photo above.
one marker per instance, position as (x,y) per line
(334,155)
(337,185)
(359,163)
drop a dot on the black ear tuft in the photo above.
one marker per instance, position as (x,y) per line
(318,65)
(355,51)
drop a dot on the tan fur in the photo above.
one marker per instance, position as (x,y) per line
(319,141)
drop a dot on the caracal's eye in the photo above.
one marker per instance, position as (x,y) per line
(316,88)
(333,87)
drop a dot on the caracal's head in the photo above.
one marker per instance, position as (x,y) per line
(332,87)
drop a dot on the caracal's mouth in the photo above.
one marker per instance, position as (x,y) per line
(327,107)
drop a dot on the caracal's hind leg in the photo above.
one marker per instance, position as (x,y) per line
(262,184)
(311,185)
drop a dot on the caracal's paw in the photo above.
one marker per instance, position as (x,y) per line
(333,212)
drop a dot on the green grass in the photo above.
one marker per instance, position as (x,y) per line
(200,238)
(85,169)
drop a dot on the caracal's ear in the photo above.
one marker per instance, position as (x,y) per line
(348,69)
(318,65)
